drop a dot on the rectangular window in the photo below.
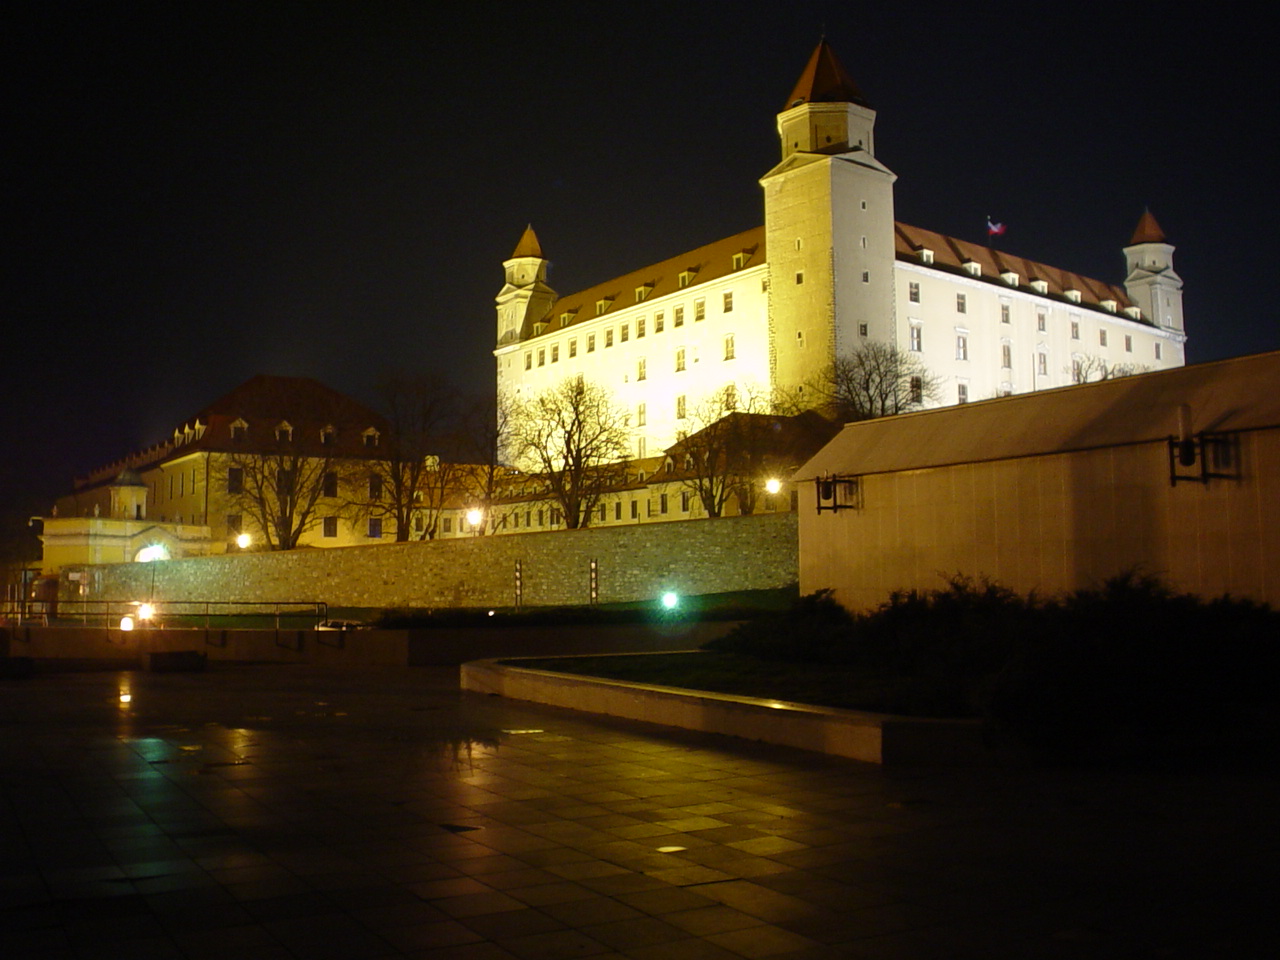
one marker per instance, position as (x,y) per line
(677,317)
(573,348)
(624,332)
(330,486)
(662,503)
(680,407)
(679,359)
(962,304)
(1006,312)
(917,338)
(635,509)
(1075,329)
(699,310)
(375,528)
(1128,343)
(1006,356)
(448,524)
(684,501)
(640,449)
(375,486)
(641,366)
(866,276)
(1102,338)
(591,343)
(913,292)
(640,328)
(233,523)
(1042,364)
(608,337)
(330,526)
(962,393)
(799,277)
(916,389)
(641,415)
(617,510)
(555,353)
(862,329)
(962,346)
(728,347)
(542,357)
(602,513)
(528,361)
(658,322)
(1042,321)
(235,480)
(1157,351)
(728,301)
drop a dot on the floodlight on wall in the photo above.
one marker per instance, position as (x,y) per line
(1201,457)
(837,492)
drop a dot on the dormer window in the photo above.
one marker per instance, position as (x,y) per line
(643,291)
(973,268)
(1040,286)
(1109,306)
(239,430)
(284,432)
(602,305)
(1009,277)
(1133,313)
(926,255)
(328,436)
(686,277)
(370,437)
(739,259)
(1072,295)
(566,318)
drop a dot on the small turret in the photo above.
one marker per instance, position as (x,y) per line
(826,112)
(1151,282)
(128,496)
(525,297)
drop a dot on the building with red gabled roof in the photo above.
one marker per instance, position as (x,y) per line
(766,310)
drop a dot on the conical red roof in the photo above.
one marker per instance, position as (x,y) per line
(824,81)
(1147,231)
(528,245)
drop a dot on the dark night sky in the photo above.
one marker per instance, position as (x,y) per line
(201,192)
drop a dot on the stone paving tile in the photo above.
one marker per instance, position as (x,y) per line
(283,812)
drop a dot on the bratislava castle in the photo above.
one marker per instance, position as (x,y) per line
(767,310)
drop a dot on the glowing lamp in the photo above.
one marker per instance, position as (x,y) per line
(670,600)
(243,541)
(126,623)
(146,611)
(772,485)
(156,551)
(474,517)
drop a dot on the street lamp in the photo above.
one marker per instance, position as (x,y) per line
(772,485)
(243,540)
(475,516)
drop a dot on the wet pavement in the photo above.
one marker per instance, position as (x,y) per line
(283,812)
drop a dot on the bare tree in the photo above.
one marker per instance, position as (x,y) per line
(574,437)
(279,484)
(416,469)
(875,380)
(1092,368)
(487,438)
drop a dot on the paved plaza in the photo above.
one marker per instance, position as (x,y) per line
(284,812)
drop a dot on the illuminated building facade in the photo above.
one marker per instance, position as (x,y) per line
(765,311)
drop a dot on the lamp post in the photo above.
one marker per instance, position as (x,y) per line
(475,517)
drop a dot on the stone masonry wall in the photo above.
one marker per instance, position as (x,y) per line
(634,563)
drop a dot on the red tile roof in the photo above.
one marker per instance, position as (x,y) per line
(1147,230)
(824,80)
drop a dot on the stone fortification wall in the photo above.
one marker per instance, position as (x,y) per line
(633,563)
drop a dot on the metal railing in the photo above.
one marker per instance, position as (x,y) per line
(179,614)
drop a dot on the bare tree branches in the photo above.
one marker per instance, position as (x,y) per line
(575,438)
(1092,368)
(876,380)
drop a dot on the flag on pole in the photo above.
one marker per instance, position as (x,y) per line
(994,229)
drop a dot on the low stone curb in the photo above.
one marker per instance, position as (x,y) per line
(871,737)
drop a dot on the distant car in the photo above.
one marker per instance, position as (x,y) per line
(343,625)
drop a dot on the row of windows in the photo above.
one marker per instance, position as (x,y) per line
(625,329)
(916,341)
(284,434)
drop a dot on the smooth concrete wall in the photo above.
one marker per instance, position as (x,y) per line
(1053,523)
(356,648)
(633,563)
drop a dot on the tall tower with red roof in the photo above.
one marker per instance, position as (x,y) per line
(828,226)
(1151,282)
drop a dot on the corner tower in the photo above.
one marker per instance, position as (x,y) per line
(525,298)
(1151,282)
(829,227)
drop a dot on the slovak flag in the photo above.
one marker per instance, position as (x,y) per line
(994,229)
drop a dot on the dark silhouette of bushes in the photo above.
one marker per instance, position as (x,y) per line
(1128,667)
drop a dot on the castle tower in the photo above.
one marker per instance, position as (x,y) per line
(525,297)
(829,227)
(128,496)
(1151,282)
